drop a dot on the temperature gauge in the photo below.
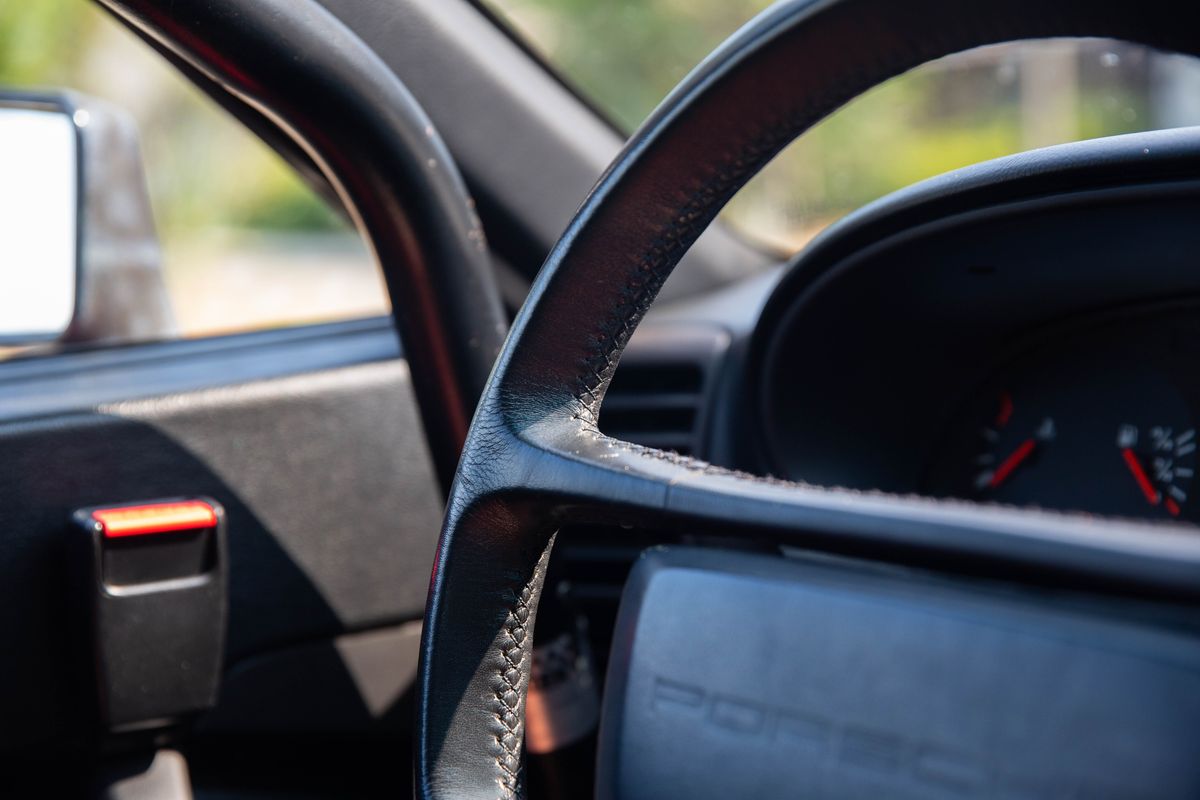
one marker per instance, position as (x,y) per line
(1161,463)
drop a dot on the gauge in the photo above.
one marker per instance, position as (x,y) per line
(1096,426)
(1161,463)
(995,463)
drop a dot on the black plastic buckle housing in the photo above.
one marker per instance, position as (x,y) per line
(158,592)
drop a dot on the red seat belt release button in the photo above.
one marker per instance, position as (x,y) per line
(145,520)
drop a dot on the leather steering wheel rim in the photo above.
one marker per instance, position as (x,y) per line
(535,459)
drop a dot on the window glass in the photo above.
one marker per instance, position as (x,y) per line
(627,54)
(246,245)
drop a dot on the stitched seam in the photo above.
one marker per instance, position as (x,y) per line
(690,463)
(698,465)
(508,695)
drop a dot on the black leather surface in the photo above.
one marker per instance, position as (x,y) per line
(535,458)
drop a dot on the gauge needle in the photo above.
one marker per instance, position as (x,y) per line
(1139,475)
(1014,460)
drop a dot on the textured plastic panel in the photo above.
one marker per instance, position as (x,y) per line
(332,507)
(745,676)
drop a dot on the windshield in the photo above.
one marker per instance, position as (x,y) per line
(625,55)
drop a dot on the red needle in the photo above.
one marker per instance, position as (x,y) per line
(1012,462)
(1139,475)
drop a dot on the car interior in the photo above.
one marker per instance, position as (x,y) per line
(892,503)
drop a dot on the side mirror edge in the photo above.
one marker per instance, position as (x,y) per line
(80,259)
(121,295)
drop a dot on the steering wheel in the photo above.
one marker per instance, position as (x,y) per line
(535,459)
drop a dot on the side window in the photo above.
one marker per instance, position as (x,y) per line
(245,245)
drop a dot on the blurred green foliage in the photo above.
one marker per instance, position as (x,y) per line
(204,169)
(626,55)
(38,41)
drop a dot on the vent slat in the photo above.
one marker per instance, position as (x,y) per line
(620,401)
(666,377)
(650,420)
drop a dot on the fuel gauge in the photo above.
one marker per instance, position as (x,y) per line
(997,464)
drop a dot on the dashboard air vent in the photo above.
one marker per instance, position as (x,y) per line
(662,386)
(655,403)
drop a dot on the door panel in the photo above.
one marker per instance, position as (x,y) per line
(333,511)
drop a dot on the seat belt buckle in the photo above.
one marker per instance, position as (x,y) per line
(157,586)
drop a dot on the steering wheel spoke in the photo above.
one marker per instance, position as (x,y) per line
(599,479)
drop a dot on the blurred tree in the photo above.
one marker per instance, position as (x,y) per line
(627,54)
(39,42)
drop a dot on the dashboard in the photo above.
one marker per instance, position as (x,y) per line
(1025,332)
